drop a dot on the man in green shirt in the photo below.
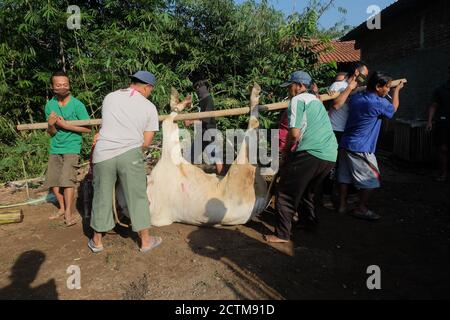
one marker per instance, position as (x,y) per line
(65,144)
(308,157)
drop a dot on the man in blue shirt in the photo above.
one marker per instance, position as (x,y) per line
(357,161)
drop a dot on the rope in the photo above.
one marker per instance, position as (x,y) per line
(116,216)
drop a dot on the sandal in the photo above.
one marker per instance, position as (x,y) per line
(93,248)
(155,243)
(72,222)
(368,215)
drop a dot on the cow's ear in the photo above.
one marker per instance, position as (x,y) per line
(174,98)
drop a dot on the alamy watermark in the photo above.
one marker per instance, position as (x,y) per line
(374,280)
(374,21)
(74,280)
(213,146)
(74,20)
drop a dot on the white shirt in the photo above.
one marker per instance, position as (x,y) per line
(338,118)
(126,114)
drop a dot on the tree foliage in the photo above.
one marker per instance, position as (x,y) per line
(232,45)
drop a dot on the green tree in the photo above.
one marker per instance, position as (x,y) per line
(231,45)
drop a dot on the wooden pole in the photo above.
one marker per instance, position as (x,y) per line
(11,216)
(196,115)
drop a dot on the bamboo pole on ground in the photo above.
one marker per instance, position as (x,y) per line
(196,115)
(10,216)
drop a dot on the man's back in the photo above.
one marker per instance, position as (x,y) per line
(317,135)
(126,114)
(366,110)
(338,118)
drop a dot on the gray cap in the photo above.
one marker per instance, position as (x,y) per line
(145,77)
(298,77)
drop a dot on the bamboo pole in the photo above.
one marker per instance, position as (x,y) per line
(8,216)
(196,115)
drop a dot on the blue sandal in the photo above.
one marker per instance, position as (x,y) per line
(156,242)
(93,248)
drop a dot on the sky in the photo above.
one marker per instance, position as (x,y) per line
(356,10)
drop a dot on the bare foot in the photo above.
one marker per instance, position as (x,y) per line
(57,215)
(274,239)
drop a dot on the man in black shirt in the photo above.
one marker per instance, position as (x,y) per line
(206,104)
(440,111)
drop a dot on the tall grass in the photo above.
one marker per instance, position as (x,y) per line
(31,147)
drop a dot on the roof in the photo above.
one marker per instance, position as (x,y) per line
(339,51)
(390,12)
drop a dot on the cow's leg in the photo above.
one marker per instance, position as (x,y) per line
(253,125)
(171,141)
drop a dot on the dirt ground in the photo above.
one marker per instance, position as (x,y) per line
(410,245)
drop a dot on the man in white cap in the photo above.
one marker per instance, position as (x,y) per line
(129,122)
(309,155)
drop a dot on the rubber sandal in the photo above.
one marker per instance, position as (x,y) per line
(156,242)
(368,215)
(93,248)
(73,222)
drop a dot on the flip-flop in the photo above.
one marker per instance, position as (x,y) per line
(93,248)
(72,222)
(156,242)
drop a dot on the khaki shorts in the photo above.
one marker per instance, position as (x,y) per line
(62,170)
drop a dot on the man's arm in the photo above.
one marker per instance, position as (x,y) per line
(52,118)
(148,138)
(293,138)
(66,126)
(396,96)
(431,113)
(51,130)
(340,101)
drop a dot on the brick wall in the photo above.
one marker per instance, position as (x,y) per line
(414,44)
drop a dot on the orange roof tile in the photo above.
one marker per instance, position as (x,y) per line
(339,51)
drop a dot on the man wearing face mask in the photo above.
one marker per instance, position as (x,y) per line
(65,144)
(339,111)
(440,111)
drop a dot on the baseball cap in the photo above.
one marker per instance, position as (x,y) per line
(298,77)
(145,77)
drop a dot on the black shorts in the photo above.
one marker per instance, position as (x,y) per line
(442,133)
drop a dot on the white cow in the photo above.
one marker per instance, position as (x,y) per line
(181,192)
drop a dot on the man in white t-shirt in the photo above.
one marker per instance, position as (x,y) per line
(339,109)
(338,117)
(129,122)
